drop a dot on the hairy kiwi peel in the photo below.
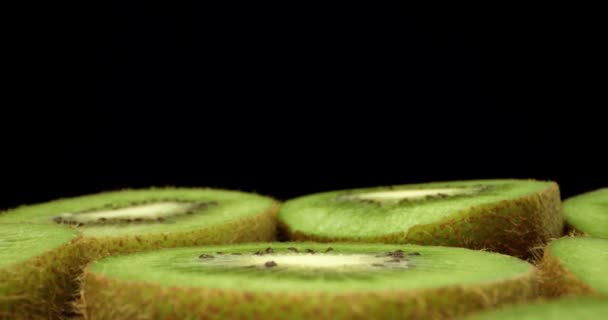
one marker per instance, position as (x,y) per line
(519,227)
(108,297)
(40,285)
(558,277)
(587,214)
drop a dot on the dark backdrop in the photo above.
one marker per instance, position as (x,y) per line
(295,101)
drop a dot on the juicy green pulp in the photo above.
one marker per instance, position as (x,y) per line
(585,258)
(20,242)
(567,309)
(434,267)
(589,213)
(351,218)
(232,205)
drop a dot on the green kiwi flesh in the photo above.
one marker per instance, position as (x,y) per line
(575,266)
(588,213)
(561,309)
(303,280)
(508,216)
(36,269)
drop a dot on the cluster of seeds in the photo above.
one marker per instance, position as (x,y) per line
(466,192)
(394,257)
(73,218)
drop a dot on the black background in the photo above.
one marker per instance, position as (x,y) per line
(289,101)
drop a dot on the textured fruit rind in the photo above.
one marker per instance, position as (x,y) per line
(42,287)
(515,227)
(106,298)
(556,280)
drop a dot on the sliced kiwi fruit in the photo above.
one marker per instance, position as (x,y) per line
(302,280)
(588,213)
(136,220)
(37,265)
(515,217)
(575,266)
(133,220)
(560,309)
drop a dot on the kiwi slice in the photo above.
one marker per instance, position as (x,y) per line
(133,220)
(515,217)
(566,309)
(136,220)
(575,265)
(302,281)
(36,268)
(588,213)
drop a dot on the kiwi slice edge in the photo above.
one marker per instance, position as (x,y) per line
(191,285)
(38,266)
(520,225)
(575,266)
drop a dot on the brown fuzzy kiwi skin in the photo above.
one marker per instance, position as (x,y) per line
(556,280)
(104,298)
(43,287)
(573,232)
(517,227)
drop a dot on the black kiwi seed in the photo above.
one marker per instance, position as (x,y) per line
(292,249)
(206,256)
(219,252)
(270,264)
(413,254)
(329,249)
(309,251)
(269,250)
(161,219)
(58,219)
(102,219)
(236,253)
(259,253)
(396,254)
